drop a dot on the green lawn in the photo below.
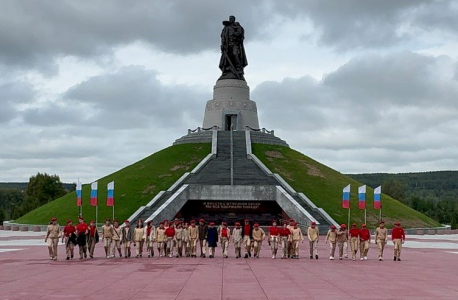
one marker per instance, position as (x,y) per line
(324,185)
(135,185)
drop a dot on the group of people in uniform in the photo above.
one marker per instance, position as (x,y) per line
(178,238)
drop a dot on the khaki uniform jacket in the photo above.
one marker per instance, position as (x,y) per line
(138,234)
(342,236)
(193,232)
(117,233)
(107,231)
(381,234)
(331,236)
(296,234)
(259,234)
(160,235)
(313,234)
(53,231)
(185,235)
(179,233)
(237,234)
(152,234)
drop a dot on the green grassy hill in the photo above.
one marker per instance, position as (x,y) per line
(135,185)
(324,185)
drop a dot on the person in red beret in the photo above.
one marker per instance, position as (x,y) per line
(193,231)
(81,237)
(273,238)
(186,241)
(107,236)
(247,233)
(237,238)
(139,235)
(224,237)
(161,239)
(313,235)
(149,238)
(170,235)
(364,241)
(354,240)
(296,237)
(381,238)
(290,241)
(92,238)
(258,236)
(342,238)
(69,238)
(285,237)
(203,231)
(127,238)
(52,238)
(179,238)
(398,237)
(331,237)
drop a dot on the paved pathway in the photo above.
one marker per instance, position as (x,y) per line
(424,273)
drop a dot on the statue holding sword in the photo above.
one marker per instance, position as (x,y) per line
(233,57)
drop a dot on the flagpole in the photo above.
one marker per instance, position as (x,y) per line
(348,218)
(113,212)
(365,216)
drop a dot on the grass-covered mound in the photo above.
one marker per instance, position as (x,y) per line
(135,185)
(324,185)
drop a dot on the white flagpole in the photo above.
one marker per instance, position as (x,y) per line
(365,216)
(96,213)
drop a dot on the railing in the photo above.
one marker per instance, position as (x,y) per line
(200,129)
(263,130)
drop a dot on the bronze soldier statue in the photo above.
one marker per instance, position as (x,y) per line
(233,58)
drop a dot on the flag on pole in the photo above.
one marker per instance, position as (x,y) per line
(378,197)
(110,194)
(79,201)
(346,197)
(362,197)
(94,194)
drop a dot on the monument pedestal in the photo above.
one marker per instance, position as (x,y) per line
(231,106)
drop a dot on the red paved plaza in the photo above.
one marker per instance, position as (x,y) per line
(423,273)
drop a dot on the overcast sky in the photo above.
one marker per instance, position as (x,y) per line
(88,87)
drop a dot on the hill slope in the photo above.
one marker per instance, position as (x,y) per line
(135,185)
(324,185)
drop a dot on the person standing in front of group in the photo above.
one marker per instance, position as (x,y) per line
(81,237)
(313,235)
(107,237)
(127,238)
(274,238)
(70,238)
(398,237)
(52,238)
(354,240)
(237,239)
(212,239)
(93,238)
(331,237)
(258,236)
(381,237)
(364,241)
(342,239)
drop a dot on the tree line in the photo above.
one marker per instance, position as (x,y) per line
(41,189)
(434,194)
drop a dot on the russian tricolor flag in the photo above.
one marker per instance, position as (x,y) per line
(94,194)
(378,197)
(110,194)
(346,197)
(362,197)
(79,201)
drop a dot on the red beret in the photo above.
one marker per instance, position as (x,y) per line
(291,220)
(364,225)
(354,224)
(397,224)
(54,219)
(80,218)
(224,223)
(126,221)
(246,220)
(237,223)
(313,223)
(382,222)
(193,221)
(274,221)
(256,225)
(333,227)
(212,223)
(202,220)
(343,226)
(69,221)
